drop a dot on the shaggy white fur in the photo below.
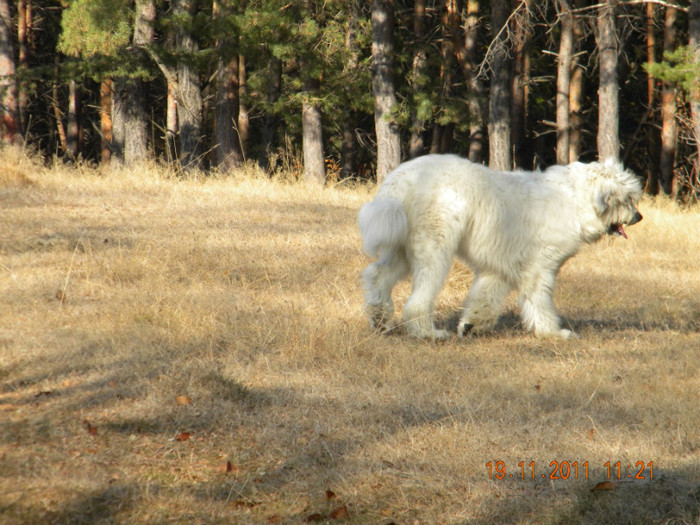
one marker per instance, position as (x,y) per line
(514,229)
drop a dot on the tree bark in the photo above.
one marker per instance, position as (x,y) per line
(9,108)
(652,172)
(129,112)
(243,115)
(478,110)
(226,111)
(312,135)
(348,144)
(72,128)
(417,142)
(105,121)
(171,123)
(442,133)
(651,50)
(575,112)
(566,46)
(500,157)
(520,27)
(388,138)
(188,89)
(669,128)
(694,43)
(608,88)
(269,134)
(119,109)
(24,24)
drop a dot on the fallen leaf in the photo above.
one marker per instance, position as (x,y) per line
(314,517)
(61,296)
(245,504)
(229,468)
(183,436)
(604,485)
(591,434)
(274,519)
(341,513)
(330,494)
(183,400)
(91,430)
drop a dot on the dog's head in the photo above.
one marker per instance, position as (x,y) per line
(616,194)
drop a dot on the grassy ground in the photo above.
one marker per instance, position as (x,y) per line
(183,351)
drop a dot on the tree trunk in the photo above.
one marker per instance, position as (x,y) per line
(243,117)
(188,90)
(608,88)
(312,135)
(130,115)
(566,46)
(227,142)
(388,138)
(135,122)
(669,129)
(56,106)
(24,24)
(72,130)
(575,112)
(417,142)
(694,43)
(228,150)
(171,123)
(105,121)
(274,86)
(442,133)
(520,27)
(478,110)
(651,50)
(9,109)
(119,109)
(348,145)
(499,101)
(652,172)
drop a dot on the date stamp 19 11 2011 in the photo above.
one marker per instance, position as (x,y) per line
(640,470)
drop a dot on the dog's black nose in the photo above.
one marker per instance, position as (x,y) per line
(637,217)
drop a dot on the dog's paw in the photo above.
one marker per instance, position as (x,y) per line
(561,333)
(464,329)
(567,334)
(441,335)
(434,334)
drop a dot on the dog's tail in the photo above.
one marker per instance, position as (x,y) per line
(383,225)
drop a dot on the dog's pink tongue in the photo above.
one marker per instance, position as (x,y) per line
(621,231)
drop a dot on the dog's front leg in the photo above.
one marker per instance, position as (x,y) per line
(483,305)
(537,308)
(418,310)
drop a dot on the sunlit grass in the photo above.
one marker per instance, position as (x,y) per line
(122,290)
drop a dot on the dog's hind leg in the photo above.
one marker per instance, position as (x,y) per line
(379,279)
(483,305)
(429,270)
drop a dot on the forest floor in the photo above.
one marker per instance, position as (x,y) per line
(194,351)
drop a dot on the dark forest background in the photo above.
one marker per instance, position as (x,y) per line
(349,88)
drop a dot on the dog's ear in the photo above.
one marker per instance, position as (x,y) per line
(601,200)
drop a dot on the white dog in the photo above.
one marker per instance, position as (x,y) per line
(514,229)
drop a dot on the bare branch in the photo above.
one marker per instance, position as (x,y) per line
(663,3)
(497,44)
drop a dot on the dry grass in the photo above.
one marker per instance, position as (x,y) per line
(121,291)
